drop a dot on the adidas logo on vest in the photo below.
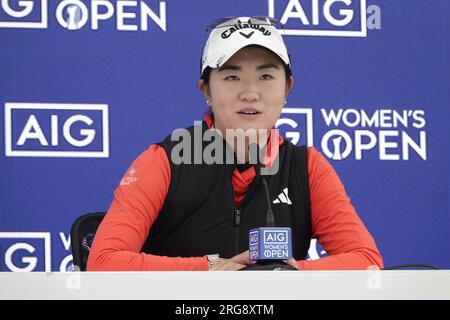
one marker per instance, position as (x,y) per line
(283,197)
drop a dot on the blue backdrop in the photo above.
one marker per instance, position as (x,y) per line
(88,85)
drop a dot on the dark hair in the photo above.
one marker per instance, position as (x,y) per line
(207,72)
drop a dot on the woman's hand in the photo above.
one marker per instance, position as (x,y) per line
(242,260)
(292,262)
(235,263)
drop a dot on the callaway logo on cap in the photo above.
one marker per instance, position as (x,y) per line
(229,35)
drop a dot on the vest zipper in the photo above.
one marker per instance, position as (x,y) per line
(237,223)
(237,217)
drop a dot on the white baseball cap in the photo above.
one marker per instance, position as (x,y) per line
(229,35)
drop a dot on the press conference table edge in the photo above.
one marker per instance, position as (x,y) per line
(228,285)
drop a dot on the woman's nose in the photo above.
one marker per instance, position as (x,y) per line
(250,93)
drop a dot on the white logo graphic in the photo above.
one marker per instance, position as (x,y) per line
(294,136)
(274,236)
(390,133)
(75,14)
(129,178)
(39,140)
(337,153)
(31,260)
(27,7)
(283,197)
(336,15)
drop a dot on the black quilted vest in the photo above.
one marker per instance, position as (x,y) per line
(199,217)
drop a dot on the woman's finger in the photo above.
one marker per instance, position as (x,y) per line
(243,258)
(292,262)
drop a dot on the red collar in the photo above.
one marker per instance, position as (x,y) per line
(268,157)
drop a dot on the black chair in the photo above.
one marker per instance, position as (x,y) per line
(82,235)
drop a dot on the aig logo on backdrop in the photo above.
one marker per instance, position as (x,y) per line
(77,14)
(296,125)
(334,18)
(25,251)
(34,251)
(24,14)
(56,130)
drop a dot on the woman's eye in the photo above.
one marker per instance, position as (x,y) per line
(266,77)
(232,78)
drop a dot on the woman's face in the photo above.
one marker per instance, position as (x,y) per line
(248,91)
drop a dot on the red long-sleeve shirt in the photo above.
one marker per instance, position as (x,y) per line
(142,191)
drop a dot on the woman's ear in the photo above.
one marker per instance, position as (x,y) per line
(203,87)
(289,85)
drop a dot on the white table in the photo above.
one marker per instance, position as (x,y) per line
(228,285)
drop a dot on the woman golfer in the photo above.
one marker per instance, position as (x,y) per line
(188,204)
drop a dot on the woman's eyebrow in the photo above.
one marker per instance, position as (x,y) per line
(267,66)
(237,68)
(228,67)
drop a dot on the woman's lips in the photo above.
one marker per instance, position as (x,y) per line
(249,112)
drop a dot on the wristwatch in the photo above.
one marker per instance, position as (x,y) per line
(213,260)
